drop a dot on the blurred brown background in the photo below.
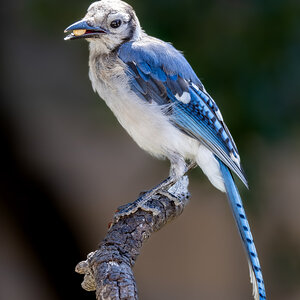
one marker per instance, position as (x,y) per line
(67,164)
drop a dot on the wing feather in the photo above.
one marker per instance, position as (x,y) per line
(160,73)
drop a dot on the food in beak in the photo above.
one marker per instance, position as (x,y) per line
(79,32)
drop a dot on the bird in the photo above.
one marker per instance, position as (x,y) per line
(160,101)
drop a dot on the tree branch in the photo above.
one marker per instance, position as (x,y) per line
(108,270)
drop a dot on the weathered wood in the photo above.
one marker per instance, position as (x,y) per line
(108,270)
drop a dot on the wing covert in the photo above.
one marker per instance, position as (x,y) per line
(160,73)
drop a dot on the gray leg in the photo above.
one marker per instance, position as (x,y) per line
(166,193)
(141,202)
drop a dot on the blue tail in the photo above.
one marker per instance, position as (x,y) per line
(239,214)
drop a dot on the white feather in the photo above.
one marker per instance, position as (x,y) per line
(254,283)
(145,122)
(210,166)
(235,159)
(185,97)
(148,126)
(195,87)
(219,115)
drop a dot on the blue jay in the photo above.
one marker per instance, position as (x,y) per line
(162,104)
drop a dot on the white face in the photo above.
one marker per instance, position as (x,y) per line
(114,16)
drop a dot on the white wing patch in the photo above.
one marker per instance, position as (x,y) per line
(185,97)
(219,115)
(235,159)
(195,86)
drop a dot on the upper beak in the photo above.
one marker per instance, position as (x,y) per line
(82,29)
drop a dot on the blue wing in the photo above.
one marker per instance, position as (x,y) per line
(160,73)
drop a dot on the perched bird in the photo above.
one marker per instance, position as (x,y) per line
(162,104)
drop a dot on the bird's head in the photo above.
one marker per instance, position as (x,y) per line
(107,25)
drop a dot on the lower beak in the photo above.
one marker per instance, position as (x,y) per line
(82,29)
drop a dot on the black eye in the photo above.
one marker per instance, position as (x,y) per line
(116,23)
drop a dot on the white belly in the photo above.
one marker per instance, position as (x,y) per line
(152,130)
(148,126)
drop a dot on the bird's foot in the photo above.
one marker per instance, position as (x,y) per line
(144,203)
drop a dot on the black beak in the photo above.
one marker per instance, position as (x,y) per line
(82,29)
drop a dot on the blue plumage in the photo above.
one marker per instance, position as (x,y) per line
(162,104)
(151,63)
(158,54)
(197,118)
(238,211)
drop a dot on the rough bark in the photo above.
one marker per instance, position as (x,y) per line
(108,270)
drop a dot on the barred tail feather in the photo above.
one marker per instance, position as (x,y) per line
(239,214)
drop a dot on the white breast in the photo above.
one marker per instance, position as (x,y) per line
(146,123)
